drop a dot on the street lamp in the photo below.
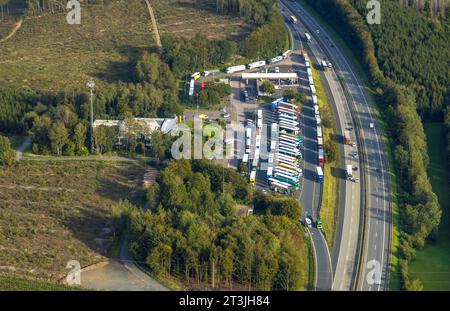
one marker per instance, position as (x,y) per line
(90,84)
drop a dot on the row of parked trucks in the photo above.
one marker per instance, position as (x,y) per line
(257,143)
(284,165)
(258,64)
(233,69)
(318,121)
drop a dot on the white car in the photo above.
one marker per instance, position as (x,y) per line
(277,69)
(353,144)
(318,31)
(371,125)
(308,222)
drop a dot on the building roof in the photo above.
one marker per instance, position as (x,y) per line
(269,75)
(152,124)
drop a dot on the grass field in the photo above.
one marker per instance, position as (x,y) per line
(49,55)
(432,265)
(191,17)
(14,283)
(330,198)
(53,212)
(395,276)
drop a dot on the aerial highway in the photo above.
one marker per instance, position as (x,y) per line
(365,226)
(349,192)
(311,192)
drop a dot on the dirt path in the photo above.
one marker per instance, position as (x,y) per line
(13,31)
(154,25)
(24,146)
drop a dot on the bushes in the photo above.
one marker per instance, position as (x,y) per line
(447,126)
(7,154)
(13,106)
(185,56)
(266,41)
(419,208)
(213,94)
(278,205)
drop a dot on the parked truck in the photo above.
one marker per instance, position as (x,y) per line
(255,65)
(234,69)
(319,172)
(253,177)
(321,157)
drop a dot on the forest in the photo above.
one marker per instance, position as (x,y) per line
(270,38)
(58,124)
(191,231)
(187,55)
(414,50)
(406,68)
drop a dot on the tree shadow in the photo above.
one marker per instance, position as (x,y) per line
(338,173)
(92,224)
(124,71)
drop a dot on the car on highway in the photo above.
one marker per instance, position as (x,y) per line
(229,141)
(318,31)
(308,221)
(319,224)
(371,125)
(277,69)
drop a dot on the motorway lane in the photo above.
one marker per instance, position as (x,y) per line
(345,251)
(311,192)
(379,223)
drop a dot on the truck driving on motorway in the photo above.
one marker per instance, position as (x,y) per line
(347,137)
(307,36)
(349,172)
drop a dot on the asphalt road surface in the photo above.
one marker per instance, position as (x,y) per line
(376,198)
(310,194)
